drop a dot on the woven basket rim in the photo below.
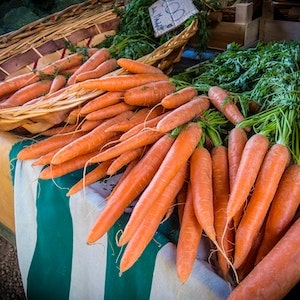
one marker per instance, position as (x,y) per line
(71,10)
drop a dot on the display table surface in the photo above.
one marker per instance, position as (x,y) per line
(55,261)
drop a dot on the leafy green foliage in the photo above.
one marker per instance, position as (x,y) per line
(135,36)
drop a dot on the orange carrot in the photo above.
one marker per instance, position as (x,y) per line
(130,187)
(59,81)
(109,111)
(142,138)
(148,124)
(138,117)
(104,100)
(90,64)
(273,166)
(179,97)
(151,222)
(45,159)
(220,98)
(180,202)
(178,155)
(149,94)
(249,263)
(137,67)
(202,190)
(69,72)
(220,180)
(277,273)
(54,171)
(189,239)
(250,163)
(183,114)
(87,142)
(66,62)
(237,140)
(124,159)
(92,176)
(119,82)
(103,69)
(28,93)
(88,125)
(46,145)
(282,211)
(15,83)
(127,170)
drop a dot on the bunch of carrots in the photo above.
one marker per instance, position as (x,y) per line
(242,191)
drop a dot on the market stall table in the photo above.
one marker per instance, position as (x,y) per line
(55,261)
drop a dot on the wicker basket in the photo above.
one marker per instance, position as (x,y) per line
(85,24)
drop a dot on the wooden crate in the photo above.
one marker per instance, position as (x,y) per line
(272,29)
(244,30)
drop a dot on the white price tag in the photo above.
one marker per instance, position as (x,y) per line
(166,15)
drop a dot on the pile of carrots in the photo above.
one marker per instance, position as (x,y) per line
(242,192)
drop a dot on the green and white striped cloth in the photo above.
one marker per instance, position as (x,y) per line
(56,263)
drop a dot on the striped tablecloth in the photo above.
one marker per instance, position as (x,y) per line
(56,263)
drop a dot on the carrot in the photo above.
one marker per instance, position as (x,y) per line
(104,100)
(59,81)
(183,114)
(103,69)
(88,125)
(138,117)
(28,92)
(142,138)
(282,211)
(87,142)
(179,97)
(66,62)
(202,189)
(237,140)
(68,72)
(127,170)
(249,263)
(137,67)
(45,97)
(151,222)
(76,163)
(109,111)
(46,145)
(189,239)
(91,63)
(149,94)
(273,166)
(130,187)
(124,159)
(119,82)
(220,186)
(148,124)
(13,84)
(178,155)
(92,176)
(277,273)
(180,202)
(250,163)
(45,159)
(220,98)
